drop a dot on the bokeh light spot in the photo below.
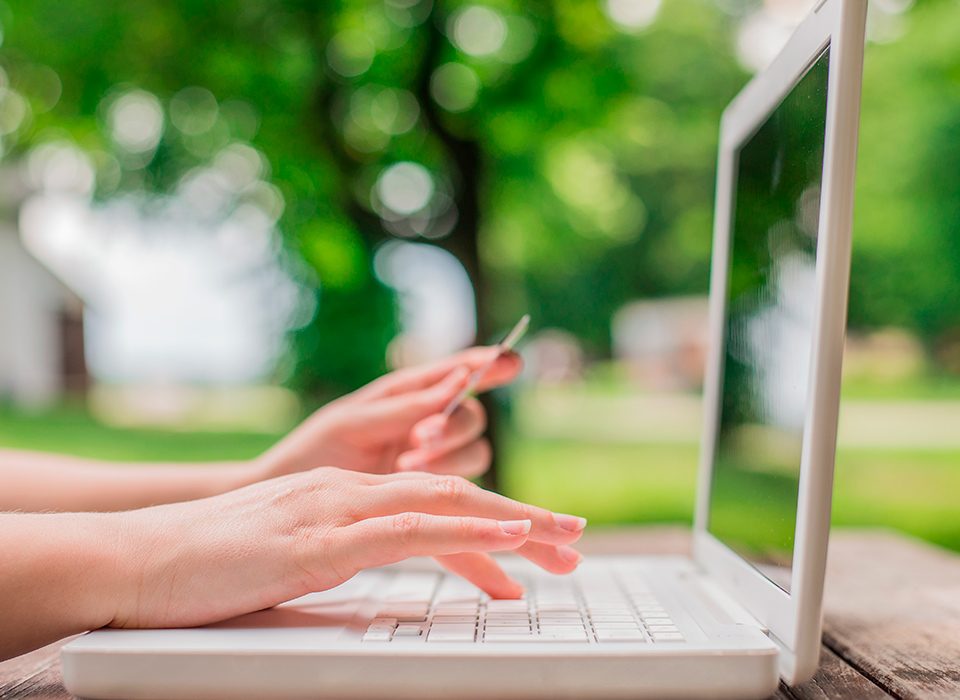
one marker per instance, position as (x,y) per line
(455,87)
(135,120)
(194,110)
(14,111)
(632,15)
(478,31)
(350,53)
(404,188)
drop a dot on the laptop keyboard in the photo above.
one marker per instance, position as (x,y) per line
(599,608)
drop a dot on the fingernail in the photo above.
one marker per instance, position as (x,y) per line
(515,527)
(429,431)
(571,523)
(569,554)
(518,590)
(409,463)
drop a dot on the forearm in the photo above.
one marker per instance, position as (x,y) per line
(60,575)
(33,481)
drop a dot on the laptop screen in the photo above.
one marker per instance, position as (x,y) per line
(768,329)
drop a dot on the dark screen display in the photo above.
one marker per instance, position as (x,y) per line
(768,329)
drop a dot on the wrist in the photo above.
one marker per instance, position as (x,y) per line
(299,451)
(88,559)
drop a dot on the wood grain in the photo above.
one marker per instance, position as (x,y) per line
(892,608)
(35,675)
(835,680)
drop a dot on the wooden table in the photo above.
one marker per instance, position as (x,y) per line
(892,626)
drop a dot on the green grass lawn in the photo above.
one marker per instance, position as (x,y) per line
(914,491)
(73,431)
(917,492)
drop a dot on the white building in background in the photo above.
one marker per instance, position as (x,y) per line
(663,342)
(41,330)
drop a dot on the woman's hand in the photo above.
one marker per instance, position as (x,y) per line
(207,560)
(394,423)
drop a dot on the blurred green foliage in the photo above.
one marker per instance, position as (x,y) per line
(571,163)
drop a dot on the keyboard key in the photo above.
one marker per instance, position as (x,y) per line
(454,619)
(562,629)
(558,607)
(510,630)
(620,636)
(558,620)
(407,613)
(456,609)
(606,606)
(406,630)
(507,622)
(390,622)
(506,605)
(620,626)
(662,628)
(451,633)
(575,635)
(667,637)
(382,635)
(654,615)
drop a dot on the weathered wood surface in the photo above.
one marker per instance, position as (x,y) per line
(892,626)
(892,610)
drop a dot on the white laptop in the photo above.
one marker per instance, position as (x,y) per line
(745,610)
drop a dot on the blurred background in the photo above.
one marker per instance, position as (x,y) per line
(216,216)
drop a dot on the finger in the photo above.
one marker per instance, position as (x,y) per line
(435,436)
(398,414)
(559,559)
(389,539)
(452,495)
(503,371)
(469,462)
(484,572)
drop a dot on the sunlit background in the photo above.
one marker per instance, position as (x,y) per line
(216,216)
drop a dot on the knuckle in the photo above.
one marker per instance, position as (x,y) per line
(468,529)
(321,477)
(406,526)
(451,488)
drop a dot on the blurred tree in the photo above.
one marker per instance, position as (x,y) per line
(906,265)
(563,151)
(574,157)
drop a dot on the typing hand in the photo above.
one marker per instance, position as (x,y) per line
(207,560)
(394,423)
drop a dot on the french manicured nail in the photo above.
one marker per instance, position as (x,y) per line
(569,554)
(515,527)
(571,523)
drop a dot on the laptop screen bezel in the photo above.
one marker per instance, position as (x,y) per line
(792,619)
